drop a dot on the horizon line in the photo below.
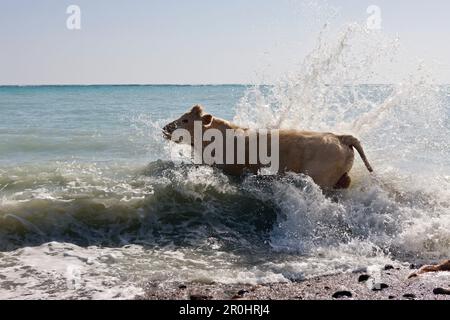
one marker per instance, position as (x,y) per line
(172,84)
(121,84)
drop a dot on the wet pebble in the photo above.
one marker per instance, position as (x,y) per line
(379,286)
(441,291)
(199,297)
(363,278)
(388,267)
(409,296)
(342,294)
(242,292)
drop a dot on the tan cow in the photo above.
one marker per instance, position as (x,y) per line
(325,157)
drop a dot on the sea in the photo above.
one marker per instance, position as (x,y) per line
(93,205)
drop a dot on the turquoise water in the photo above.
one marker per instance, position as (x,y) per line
(95,123)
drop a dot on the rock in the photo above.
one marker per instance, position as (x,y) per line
(388,267)
(327,288)
(379,286)
(441,291)
(409,296)
(342,294)
(391,297)
(363,278)
(242,292)
(182,286)
(199,297)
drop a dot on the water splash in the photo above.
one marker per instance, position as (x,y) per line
(404,128)
(323,94)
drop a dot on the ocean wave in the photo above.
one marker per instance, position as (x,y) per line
(167,203)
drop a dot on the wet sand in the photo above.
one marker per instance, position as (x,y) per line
(392,283)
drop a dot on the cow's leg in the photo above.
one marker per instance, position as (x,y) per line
(344,182)
(444,266)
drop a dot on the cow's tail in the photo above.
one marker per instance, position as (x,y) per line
(353,142)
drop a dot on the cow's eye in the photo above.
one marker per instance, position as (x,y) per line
(185,121)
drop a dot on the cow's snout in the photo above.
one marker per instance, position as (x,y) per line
(170,128)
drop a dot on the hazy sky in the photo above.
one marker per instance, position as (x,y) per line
(193,41)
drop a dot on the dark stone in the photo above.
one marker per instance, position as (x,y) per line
(379,286)
(199,297)
(388,267)
(182,286)
(409,296)
(342,294)
(242,292)
(441,291)
(391,297)
(327,288)
(363,278)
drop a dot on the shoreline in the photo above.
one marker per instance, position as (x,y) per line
(392,284)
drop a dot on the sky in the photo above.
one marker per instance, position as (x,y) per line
(196,41)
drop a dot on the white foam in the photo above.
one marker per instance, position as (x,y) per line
(65,271)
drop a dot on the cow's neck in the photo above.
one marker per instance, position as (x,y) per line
(223,125)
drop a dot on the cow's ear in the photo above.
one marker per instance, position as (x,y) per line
(198,110)
(207,119)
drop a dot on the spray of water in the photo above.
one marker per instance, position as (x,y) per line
(404,129)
